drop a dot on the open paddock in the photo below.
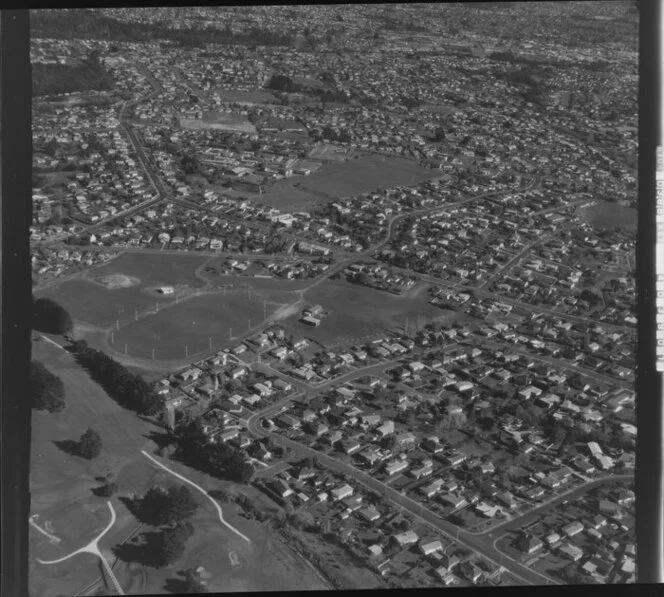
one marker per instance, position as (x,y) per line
(357,311)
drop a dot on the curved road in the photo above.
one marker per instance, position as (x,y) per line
(477,542)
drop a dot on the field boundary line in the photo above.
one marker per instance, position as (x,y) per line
(205,493)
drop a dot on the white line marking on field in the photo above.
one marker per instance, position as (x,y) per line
(205,493)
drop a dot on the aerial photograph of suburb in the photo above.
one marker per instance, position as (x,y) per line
(333,297)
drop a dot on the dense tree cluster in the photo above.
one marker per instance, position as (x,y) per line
(89,446)
(46,389)
(49,317)
(90,75)
(170,506)
(128,389)
(217,459)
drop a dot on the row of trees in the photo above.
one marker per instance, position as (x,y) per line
(128,389)
(89,24)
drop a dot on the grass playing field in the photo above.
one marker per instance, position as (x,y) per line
(610,215)
(342,179)
(197,324)
(88,300)
(156,268)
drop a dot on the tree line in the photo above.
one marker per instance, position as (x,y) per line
(128,389)
(89,24)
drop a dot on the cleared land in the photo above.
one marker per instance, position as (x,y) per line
(610,215)
(192,323)
(245,97)
(219,120)
(328,152)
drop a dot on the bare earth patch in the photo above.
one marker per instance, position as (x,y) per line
(113,281)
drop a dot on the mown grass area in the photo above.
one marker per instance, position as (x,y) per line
(191,324)
(610,215)
(91,302)
(357,311)
(363,173)
(155,268)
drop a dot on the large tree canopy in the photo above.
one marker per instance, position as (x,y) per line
(49,317)
(89,446)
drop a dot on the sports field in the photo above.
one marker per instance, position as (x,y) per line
(92,301)
(192,326)
(610,215)
(156,268)
(365,173)
(224,121)
(257,96)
